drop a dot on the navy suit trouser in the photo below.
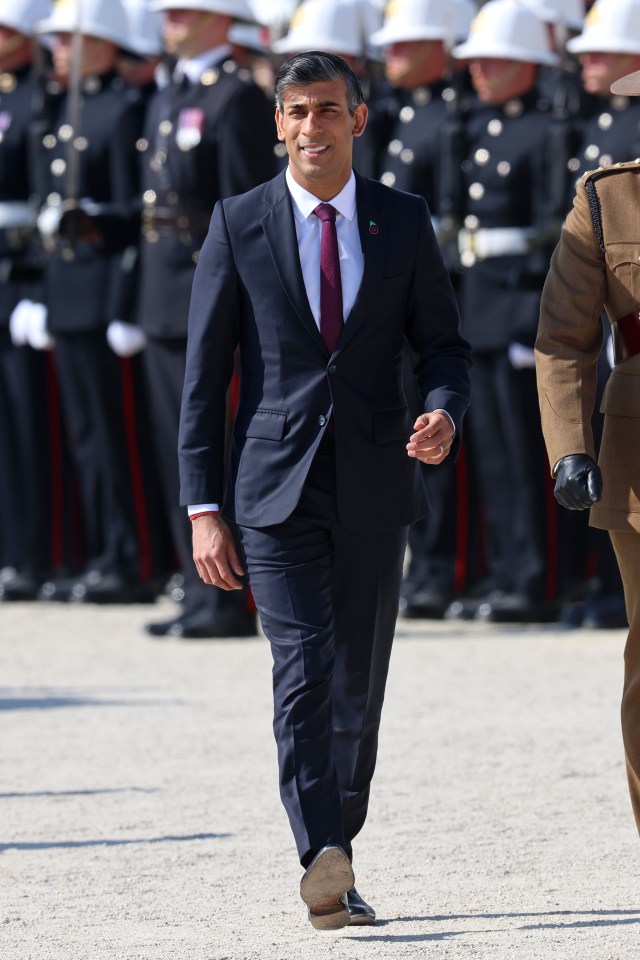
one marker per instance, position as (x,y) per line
(328,601)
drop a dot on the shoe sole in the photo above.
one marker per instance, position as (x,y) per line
(322,887)
(362,921)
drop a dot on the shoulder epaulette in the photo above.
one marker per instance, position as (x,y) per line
(631,166)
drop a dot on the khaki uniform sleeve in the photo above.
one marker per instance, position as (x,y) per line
(570,335)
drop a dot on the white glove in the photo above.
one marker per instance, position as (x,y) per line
(19,323)
(521,357)
(125,339)
(39,336)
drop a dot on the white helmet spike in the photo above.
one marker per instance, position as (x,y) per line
(510,30)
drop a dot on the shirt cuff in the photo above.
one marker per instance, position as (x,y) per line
(203,508)
(449,418)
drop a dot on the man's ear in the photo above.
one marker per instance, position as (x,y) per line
(279,124)
(360,119)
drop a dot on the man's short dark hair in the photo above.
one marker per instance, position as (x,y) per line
(314,67)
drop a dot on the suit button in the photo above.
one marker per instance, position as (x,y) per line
(322,420)
(332,368)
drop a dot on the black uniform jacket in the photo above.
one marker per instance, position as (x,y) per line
(249,291)
(203,142)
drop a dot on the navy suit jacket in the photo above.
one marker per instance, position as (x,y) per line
(249,291)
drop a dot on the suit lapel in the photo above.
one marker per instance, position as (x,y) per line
(280,230)
(373,238)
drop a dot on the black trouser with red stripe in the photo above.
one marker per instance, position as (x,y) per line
(112,456)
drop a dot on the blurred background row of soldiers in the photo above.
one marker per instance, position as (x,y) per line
(122,122)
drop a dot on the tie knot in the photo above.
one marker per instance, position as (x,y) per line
(325,212)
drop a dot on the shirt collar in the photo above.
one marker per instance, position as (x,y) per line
(304,203)
(194,68)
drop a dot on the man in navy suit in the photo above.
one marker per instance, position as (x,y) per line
(319,276)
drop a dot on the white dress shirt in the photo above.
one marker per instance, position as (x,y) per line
(194,68)
(309,234)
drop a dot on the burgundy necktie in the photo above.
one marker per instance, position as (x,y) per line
(331,310)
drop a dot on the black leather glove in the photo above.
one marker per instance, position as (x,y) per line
(578,482)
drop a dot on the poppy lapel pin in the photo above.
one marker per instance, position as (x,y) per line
(373,227)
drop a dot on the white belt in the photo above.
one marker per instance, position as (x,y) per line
(496,241)
(16,214)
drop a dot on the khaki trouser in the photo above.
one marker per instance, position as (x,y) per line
(627,548)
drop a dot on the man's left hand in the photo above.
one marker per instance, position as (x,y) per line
(432,439)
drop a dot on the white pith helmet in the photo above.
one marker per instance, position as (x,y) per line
(417,20)
(250,35)
(611,26)
(22,15)
(239,9)
(507,30)
(564,13)
(145,28)
(337,26)
(104,19)
(464,13)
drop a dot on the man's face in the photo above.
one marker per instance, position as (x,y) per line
(318,130)
(599,70)
(496,80)
(178,27)
(410,63)
(97,55)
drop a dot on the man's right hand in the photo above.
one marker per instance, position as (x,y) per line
(578,482)
(214,552)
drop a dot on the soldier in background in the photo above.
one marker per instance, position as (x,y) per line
(427,107)
(510,227)
(25,494)
(342,27)
(91,163)
(608,48)
(209,135)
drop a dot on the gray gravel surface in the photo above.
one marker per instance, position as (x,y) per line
(139,813)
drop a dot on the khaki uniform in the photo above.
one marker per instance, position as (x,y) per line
(596,265)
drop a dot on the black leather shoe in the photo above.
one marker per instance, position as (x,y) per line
(202,626)
(466,608)
(516,608)
(16,586)
(360,913)
(324,887)
(96,587)
(424,605)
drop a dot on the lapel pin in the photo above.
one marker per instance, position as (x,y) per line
(373,227)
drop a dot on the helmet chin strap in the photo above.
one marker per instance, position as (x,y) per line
(183,36)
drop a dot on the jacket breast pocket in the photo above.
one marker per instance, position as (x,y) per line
(261,424)
(390,426)
(623,260)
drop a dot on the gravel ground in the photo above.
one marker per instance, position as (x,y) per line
(139,814)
